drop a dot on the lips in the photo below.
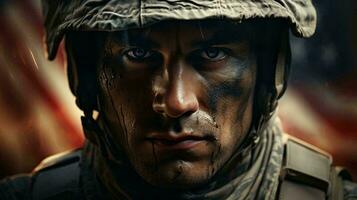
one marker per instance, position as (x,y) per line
(179,142)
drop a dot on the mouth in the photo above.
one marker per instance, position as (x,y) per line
(182,142)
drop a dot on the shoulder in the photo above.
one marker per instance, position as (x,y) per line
(312,168)
(15,187)
(305,171)
(56,177)
(58,161)
(350,190)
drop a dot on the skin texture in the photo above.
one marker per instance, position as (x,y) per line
(178,98)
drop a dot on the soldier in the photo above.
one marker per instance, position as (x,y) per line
(178,100)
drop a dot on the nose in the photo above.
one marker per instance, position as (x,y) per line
(178,97)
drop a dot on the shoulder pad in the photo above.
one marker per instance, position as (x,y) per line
(305,173)
(59,159)
(15,187)
(306,164)
(58,177)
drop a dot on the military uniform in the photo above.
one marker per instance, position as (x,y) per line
(276,168)
(267,167)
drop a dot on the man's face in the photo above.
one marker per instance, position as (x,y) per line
(177,97)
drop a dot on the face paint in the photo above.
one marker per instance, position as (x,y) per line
(178,98)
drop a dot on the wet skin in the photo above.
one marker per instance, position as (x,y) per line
(178,98)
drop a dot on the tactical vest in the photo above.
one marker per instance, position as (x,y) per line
(306,174)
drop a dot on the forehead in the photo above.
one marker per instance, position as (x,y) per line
(187,33)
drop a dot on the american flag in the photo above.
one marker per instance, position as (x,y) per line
(321,105)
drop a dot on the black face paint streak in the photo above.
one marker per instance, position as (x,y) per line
(213,158)
(215,154)
(156,166)
(179,171)
(243,107)
(213,170)
(208,171)
(111,81)
(125,129)
(229,88)
(121,121)
(240,113)
(245,101)
(216,125)
(223,90)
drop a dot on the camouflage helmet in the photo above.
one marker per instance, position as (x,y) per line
(62,16)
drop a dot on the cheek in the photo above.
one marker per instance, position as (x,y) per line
(234,119)
(232,105)
(122,105)
(112,106)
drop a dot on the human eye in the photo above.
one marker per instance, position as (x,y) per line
(137,58)
(210,58)
(137,54)
(213,54)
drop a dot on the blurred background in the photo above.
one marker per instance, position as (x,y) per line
(38,116)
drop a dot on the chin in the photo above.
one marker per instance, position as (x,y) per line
(179,175)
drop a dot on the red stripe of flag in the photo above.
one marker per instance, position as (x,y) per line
(17,50)
(36,21)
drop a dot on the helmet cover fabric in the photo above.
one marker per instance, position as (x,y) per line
(116,15)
